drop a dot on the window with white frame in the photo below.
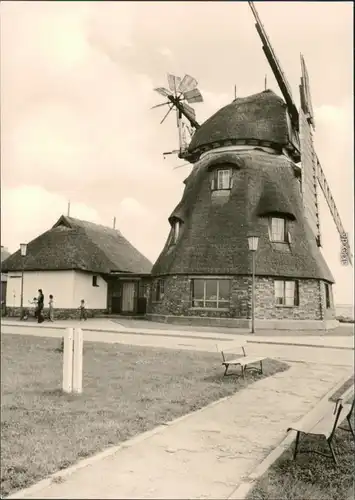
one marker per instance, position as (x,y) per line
(286,292)
(211,293)
(278,229)
(223,179)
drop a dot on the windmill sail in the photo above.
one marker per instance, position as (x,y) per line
(173,82)
(303,122)
(188,83)
(308,155)
(309,176)
(275,66)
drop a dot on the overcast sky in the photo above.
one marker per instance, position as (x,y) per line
(77,85)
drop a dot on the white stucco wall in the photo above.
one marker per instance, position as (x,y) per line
(95,296)
(58,283)
(67,288)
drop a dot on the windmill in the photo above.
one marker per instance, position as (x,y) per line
(302,126)
(182,91)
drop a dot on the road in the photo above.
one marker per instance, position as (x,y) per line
(337,352)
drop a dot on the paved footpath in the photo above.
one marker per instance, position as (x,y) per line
(206,454)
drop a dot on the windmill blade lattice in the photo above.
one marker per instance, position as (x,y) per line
(180,93)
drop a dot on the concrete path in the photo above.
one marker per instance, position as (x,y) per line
(206,454)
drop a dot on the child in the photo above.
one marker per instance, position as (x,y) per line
(51,309)
(83,314)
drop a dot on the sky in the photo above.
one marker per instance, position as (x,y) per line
(77,82)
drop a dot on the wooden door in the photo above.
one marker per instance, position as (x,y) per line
(128,296)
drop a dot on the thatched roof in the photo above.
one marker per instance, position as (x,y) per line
(81,245)
(273,201)
(260,116)
(213,236)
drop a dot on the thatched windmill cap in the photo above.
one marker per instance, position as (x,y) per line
(260,117)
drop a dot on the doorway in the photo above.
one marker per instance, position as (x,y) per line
(128,296)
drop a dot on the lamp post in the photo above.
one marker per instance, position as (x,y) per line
(253,246)
(23,250)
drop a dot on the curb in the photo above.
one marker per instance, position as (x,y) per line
(243,489)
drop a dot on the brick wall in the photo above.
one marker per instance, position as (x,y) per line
(177,300)
(309,301)
(58,313)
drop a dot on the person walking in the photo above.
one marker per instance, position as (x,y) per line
(83,313)
(51,309)
(40,305)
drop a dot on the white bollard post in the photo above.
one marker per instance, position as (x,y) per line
(78,361)
(68,360)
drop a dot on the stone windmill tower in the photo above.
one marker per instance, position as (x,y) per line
(254,172)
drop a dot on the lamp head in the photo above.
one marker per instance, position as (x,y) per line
(253,243)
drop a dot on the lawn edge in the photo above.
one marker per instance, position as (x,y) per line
(111,450)
(242,490)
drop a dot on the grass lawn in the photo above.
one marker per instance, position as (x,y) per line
(310,477)
(126,390)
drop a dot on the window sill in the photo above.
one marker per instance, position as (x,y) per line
(209,308)
(285,306)
(219,190)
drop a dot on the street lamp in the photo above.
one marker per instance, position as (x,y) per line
(23,250)
(253,246)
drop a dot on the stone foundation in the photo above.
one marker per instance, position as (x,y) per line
(59,314)
(311,313)
(286,325)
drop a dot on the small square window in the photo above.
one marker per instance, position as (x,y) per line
(221,180)
(286,292)
(94,281)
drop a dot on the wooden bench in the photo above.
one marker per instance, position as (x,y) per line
(348,410)
(243,360)
(323,422)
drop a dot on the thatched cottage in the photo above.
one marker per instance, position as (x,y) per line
(77,260)
(245,179)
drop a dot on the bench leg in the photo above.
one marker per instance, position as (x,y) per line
(296,445)
(261,367)
(351,427)
(225,371)
(243,370)
(332,451)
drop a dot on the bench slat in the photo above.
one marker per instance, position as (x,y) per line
(244,360)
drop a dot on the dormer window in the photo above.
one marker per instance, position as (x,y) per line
(175,231)
(278,229)
(221,179)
